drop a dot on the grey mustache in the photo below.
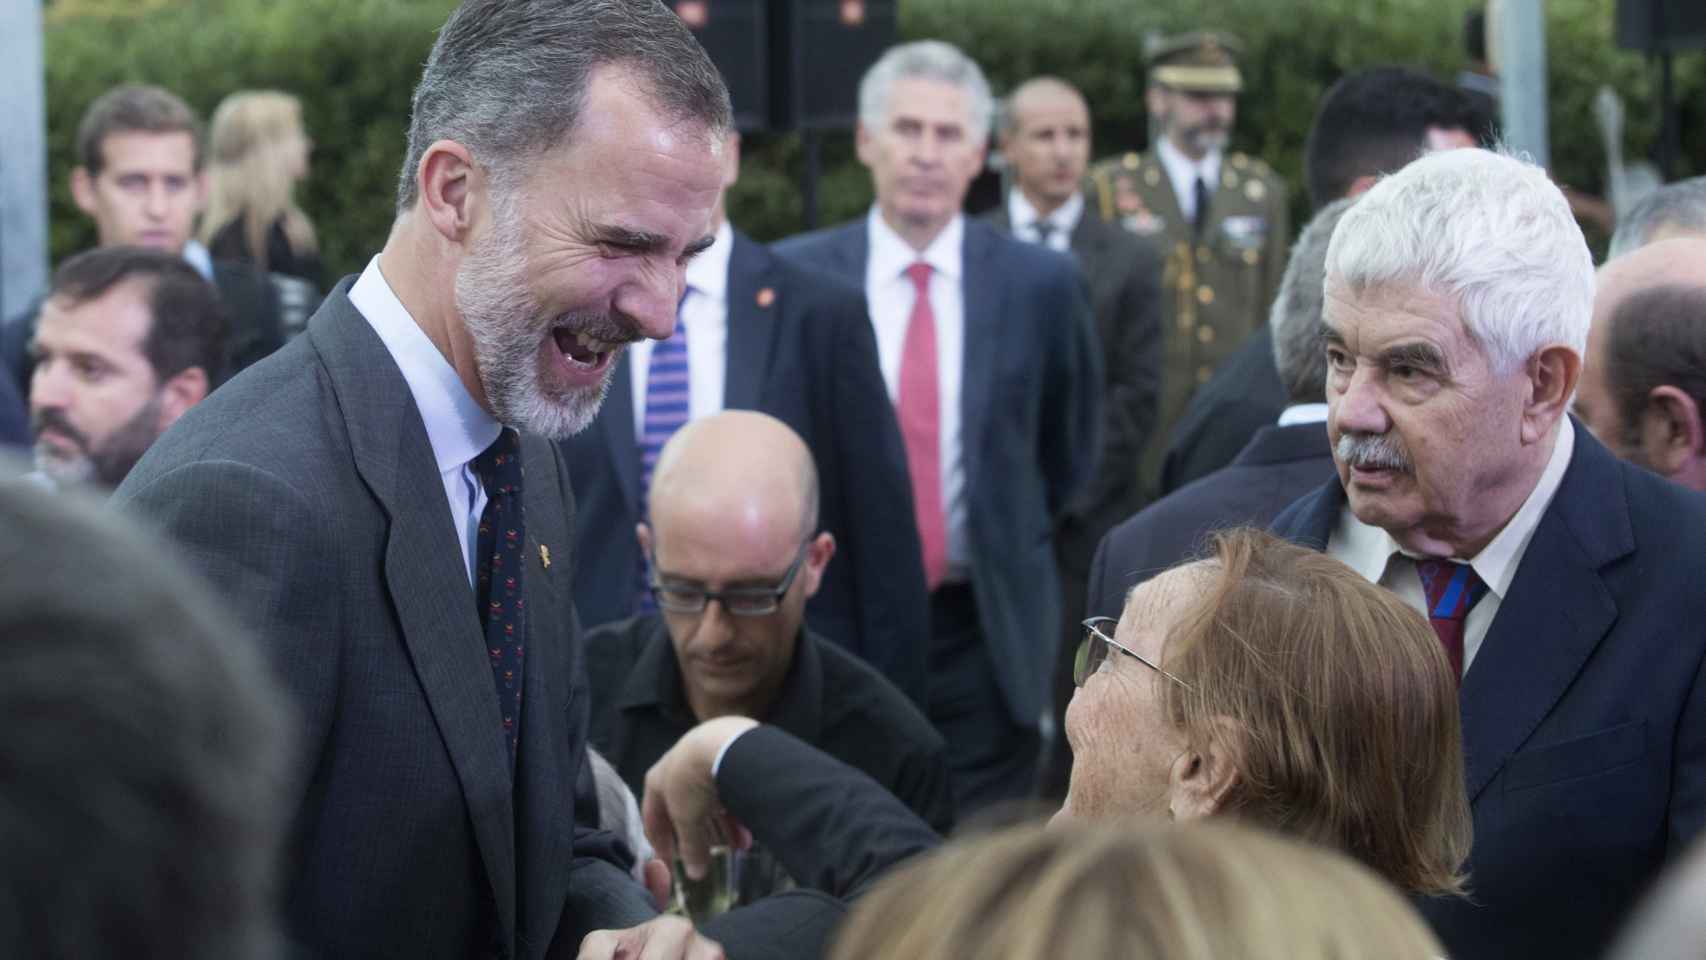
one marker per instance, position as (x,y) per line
(1372,451)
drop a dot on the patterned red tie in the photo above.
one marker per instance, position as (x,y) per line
(1452,590)
(919,410)
(498,583)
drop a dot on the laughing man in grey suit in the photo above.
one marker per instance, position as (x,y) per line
(356,494)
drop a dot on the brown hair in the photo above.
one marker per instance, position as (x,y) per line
(1345,720)
(133,109)
(1084,892)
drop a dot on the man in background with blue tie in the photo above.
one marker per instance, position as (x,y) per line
(988,354)
(756,332)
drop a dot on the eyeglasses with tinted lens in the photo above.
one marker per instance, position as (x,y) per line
(688,597)
(1093,650)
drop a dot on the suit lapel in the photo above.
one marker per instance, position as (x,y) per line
(1557,612)
(752,320)
(983,288)
(616,422)
(426,577)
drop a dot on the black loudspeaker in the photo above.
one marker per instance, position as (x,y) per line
(821,49)
(1661,26)
(736,33)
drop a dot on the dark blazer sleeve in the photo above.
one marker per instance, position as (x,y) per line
(1688,789)
(1133,368)
(890,595)
(1071,390)
(835,829)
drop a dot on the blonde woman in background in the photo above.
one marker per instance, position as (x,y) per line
(258,152)
(1207,891)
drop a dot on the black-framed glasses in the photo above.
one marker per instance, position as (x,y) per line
(738,601)
(1093,649)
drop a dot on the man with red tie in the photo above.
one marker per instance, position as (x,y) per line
(1566,586)
(988,353)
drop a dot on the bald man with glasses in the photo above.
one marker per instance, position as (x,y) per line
(734,552)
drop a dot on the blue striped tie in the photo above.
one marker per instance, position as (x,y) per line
(667,411)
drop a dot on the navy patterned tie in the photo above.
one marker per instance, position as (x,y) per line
(667,410)
(498,584)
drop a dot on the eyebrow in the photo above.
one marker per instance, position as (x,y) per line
(1420,355)
(645,241)
(1327,334)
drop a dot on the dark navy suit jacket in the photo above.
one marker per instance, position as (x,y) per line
(1030,419)
(806,355)
(1277,466)
(1584,714)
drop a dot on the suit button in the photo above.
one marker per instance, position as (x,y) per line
(1205,334)
(1203,374)
(1251,256)
(1205,295)
(1186,323)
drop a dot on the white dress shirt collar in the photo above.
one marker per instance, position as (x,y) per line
(1182,173)
(708,273)
(1303,413)
(458,428)
(1368,549)
(891,255)
(198,257)
(1022,216)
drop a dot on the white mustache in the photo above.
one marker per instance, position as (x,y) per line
(1373,451)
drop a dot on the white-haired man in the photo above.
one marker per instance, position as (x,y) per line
(1568,585)
(987,349)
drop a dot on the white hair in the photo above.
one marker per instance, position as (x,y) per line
(1485,229)
(927,60)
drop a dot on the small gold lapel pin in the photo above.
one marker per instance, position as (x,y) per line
(545,556)
(766,297)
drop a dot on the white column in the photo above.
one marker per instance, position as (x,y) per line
(1520,42)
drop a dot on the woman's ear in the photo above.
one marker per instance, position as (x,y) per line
(1204,776)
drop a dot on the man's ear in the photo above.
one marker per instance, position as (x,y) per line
(1553,373)
(180,392)
(1671,430)
(83,190)
(1204,776)
(643,534)
(862,143)
(818,556)
(444,182)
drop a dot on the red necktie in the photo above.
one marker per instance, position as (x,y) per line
(1452,589)
(919,411)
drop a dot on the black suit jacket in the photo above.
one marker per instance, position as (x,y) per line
(1279,465)
(806,355)
(1122,272)
(307,492)
(254,324)
(1029,418)
(829,699)
(1244,395)
(1584,713)
(14,416)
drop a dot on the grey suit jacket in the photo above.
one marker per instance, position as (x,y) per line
(307,492)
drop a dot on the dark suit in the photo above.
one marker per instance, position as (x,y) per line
(1584,713)
(1244,395)
(828,699)
(14,416)
(307,492)
(804,354)
(1029,418)
(1279,465)
(254,327)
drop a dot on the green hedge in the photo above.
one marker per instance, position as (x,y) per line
(354,62)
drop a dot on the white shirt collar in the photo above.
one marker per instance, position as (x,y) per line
(458,428)
(708,273)
(1182,171)
(890,255)
(197,256)
(1368,549)
(1064,219)
(1303,413)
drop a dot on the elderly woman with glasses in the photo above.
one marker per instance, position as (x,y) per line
(1267,683)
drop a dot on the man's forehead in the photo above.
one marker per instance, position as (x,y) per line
(929,99)
(172,149)
(112,325)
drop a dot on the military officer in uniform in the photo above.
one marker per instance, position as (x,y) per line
(1219,216)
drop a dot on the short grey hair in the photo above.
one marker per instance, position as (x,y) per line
(1681,204)
(926,60)
(1295,317)
(1486,230)
(507,78)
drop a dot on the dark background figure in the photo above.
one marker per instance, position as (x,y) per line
(144,749)
(1044,136)
(129,339)
(14,416)
(1283,461)
(734,533)
(1369,123)
(139,177)
(760,333)
(987,347)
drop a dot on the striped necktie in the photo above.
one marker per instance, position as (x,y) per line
(667,409)
(1452,590)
